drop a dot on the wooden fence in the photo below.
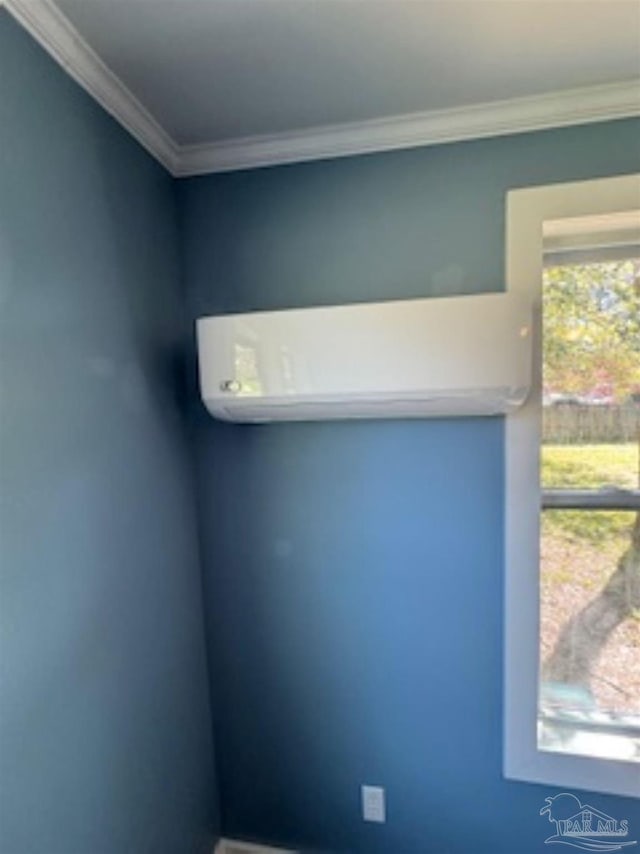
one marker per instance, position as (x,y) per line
(579,423)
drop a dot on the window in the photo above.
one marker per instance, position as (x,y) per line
(572,632)
(589,691)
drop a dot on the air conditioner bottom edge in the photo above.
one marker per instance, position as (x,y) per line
(235,846)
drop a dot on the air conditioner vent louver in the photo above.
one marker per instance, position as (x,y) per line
(416,358)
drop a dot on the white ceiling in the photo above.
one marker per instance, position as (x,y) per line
(219,84)
(212,70)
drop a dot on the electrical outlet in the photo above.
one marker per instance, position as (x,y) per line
(373,808)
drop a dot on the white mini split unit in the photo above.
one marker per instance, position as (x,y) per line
(467,355)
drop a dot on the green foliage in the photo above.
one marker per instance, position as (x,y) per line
(592,327)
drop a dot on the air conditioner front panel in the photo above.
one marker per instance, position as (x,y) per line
(420,358)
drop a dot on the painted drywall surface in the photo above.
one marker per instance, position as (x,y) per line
(106,744)
(354,571)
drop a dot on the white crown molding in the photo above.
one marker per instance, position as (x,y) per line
(497,118)
(48,26)
(46,23)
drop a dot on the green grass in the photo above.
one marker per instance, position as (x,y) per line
(589,467)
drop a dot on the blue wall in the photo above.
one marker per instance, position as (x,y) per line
(354,571)
(105,743)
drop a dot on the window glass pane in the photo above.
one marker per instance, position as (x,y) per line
(590,633)
(591,374)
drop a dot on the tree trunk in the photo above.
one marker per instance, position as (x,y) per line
(583,637)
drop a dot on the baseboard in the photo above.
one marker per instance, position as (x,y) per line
(234,846)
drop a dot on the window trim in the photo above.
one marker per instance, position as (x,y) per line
(527,210)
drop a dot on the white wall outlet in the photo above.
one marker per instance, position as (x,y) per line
(373,808)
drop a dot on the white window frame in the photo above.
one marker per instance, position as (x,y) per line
(527,210)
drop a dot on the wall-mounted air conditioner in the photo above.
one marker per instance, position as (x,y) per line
(467,355)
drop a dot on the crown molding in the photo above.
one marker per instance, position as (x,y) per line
(45,22)
(497,118)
